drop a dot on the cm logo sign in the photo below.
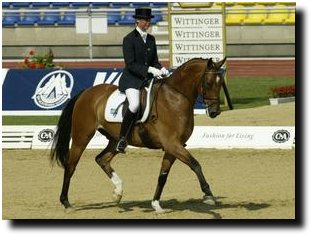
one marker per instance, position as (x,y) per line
(46,135)
(281,136)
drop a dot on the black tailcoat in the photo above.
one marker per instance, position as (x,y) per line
(138,57)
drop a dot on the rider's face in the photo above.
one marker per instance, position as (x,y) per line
(144,24)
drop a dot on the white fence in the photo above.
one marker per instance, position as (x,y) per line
(17,136)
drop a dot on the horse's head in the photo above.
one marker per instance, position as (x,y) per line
(210,87)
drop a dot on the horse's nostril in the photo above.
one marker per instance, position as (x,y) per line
(214,114)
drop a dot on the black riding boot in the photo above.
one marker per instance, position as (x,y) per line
(126,127)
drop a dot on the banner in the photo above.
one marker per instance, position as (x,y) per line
(219,137)
(42,89)
(256,137)
(46,91)
(198,35)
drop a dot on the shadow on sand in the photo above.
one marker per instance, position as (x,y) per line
(173,205)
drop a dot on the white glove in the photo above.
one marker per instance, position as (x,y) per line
(164,71)
(156,72)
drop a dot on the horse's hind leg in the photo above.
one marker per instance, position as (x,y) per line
(167,162)
(103,160)
(69,169)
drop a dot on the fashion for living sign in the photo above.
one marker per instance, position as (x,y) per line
(220,137)
(196,36)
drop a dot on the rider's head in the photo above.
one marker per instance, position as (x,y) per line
(143,18)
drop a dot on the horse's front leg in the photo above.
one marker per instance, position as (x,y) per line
(103,160)
(167,162)
(182,154)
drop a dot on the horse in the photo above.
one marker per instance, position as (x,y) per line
(168,127)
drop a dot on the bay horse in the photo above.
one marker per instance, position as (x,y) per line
(168,127)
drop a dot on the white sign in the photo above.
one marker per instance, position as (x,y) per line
(179,59)
(220,137)
(43,138)
(98,21)
(196,36)
(197,20)
(197,46)
(255,137)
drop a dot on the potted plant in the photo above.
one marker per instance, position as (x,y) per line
(282,94)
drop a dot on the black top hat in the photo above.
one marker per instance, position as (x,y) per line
(143,13)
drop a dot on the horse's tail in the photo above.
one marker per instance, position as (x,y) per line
(60,145)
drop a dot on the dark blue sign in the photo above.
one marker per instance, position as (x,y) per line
(42,89)
(49,90)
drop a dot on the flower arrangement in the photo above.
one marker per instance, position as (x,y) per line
(34,61)
(283,91)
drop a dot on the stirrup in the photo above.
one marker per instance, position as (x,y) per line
(122,145)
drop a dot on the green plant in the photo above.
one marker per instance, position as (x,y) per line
(34,61)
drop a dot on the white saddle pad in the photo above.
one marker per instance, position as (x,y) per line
(114,106)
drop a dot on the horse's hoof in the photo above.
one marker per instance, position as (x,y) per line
(66,204)
(69,209)
(156,206)
(209,200)
(117,197)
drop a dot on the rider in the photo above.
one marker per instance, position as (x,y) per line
(141,62)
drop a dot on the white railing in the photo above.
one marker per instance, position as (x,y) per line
(17,137)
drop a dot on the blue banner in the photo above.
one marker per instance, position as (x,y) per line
(49,90)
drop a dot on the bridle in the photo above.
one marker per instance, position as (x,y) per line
(215,100)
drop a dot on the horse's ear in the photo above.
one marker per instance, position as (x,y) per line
(220,63)
(210,63)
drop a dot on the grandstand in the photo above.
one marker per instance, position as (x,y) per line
(254,29)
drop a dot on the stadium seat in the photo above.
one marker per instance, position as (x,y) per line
(277,15)
(5,4)
(229,3)
(113,17)
(29,18)
(120,4)
(10,19)
(267,3)
(41,4)
(291,18)
(235,15)
(20,4)
(60,4)
(50,18)
(256,15)
(288,3)
(127,18)
(247,4)
(141,4)
(157,16)
(69,19)
(99,4)
(160,4)
(80,4)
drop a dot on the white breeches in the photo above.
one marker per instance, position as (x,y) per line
(133,96)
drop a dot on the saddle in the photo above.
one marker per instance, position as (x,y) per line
(117,105)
